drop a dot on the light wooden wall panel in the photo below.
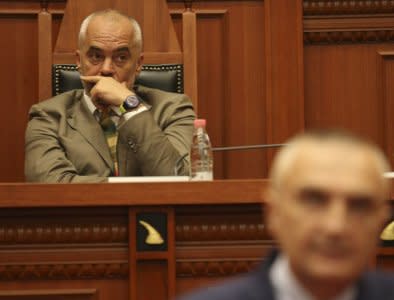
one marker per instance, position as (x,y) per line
(348,68)
(385,75)
(18,87)
(341,86)
(19,79)
(231,80)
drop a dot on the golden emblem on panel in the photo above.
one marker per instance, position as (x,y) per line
(153,237)
(388,232)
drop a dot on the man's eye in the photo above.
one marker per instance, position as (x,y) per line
(95,57)
(360,204)
(313,198)
(121,58)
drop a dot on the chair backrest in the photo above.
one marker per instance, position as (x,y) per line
(167,77)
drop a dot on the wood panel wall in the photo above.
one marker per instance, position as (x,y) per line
(266,69)
(223,66)
(19,22)
(348,57)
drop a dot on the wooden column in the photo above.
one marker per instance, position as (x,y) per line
(285,70)
(44,52)
(152,263)
(189,41)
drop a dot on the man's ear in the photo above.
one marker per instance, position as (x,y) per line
(78,59)
(270,210)
(140,63)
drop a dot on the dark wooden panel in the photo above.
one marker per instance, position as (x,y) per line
(154,272)
(385,258)
(211,75)
(285,70)
(342,88)
(231,80)
(348,71)
(385,79)
(19,86)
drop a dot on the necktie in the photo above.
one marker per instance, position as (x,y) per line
(111,135)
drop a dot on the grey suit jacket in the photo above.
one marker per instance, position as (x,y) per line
(65,143)
(256,285)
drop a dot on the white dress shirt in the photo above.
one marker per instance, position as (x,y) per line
(117,112)
(287,287)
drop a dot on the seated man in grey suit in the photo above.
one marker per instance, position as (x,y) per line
(326,205)
(64,140)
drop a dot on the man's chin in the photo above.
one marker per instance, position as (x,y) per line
(334,270)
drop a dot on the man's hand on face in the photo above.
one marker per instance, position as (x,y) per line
(106,90)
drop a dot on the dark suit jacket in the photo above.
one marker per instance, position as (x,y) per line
(257,286)
(65,143)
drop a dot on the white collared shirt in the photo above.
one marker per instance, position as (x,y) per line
(117,112)
(287,287)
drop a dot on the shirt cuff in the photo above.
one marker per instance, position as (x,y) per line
(128,115)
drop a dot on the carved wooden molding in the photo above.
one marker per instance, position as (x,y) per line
(118,233)
(338,7)
(42,2)
(120,270)
(215,268)
(340,30)
(49,294)
(219,232)
(349,37)
(63,233)
(57,271)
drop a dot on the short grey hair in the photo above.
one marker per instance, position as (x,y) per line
(287,156)
(113,15)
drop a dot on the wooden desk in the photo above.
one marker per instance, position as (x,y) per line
(79,241)
(85,241)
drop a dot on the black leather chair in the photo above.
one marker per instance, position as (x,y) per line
(168,77)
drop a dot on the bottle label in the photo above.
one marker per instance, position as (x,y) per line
(202,176)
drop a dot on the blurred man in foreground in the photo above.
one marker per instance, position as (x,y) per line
(326,205)
(111,127)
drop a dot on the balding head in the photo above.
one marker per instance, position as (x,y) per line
(110,45)
(114,16)
(320,143)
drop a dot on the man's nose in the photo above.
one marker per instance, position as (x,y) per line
(336,218)
(107,67)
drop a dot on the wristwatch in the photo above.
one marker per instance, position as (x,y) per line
(131,102)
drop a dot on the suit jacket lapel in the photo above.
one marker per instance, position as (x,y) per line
(261,287)
(81,119)
(366,290)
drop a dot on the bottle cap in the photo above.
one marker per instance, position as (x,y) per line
(199,123)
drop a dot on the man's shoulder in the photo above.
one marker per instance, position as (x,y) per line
(155,96)
(234,289)
(378,285)
(247,287)
(60,102)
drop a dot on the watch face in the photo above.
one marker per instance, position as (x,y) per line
(131,102)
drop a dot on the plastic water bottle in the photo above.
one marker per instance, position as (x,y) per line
(201,158)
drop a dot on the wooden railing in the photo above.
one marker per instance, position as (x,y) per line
(89,241)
